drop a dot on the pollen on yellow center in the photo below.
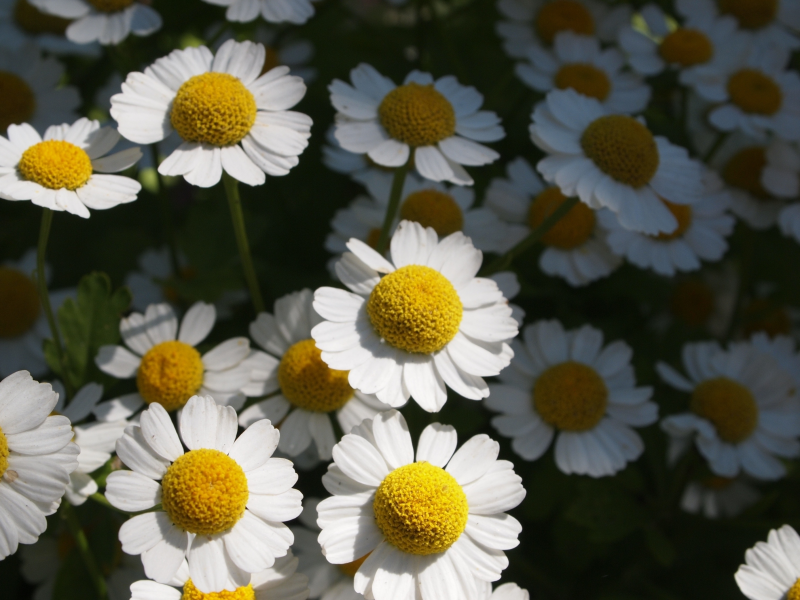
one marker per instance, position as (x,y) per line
(307,382)
(729,406)
(4,453)
(17,100)
(692,301)
(32,20)
(420,509)
(213,108)
(682,214)
(56,164)
(110,6)
(170,373)
(585,79)
(432,208)
(190,592)
(19,303)
(350,568)
(572,230)
(686,47)
(754,92)
(204,492)
(622,148)
(751,14)
(563,15)
(570,396)
(743,171)
(415,309)
(794,591)
(417,115)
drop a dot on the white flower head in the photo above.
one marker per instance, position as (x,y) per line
(22,23)
(66,170)
(229,116)
(565,382)
(222,502)
(458,500)
(412,325)
(772,569)
(295,12)
(719,497)
(435,124)
(613,161)
(773,22)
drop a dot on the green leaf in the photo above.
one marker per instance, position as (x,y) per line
(660,546)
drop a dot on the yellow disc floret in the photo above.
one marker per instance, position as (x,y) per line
(572,230)
(350,568)
(754,92)
(213,108)
(19,303)
(622,148)
(4,453)
(417,115)
(692,301)
(682,214)
(415,309)
(563,15)
(794,591)
(570,396)
(204,492)
(751,14)
(17,100)
(56,164)
(307,382)
(34,21)
(686,47)
(729,406)
(420,509)
(744,169)
(584,79)
(170,373)
(110,6)
(190,592)
(432,208)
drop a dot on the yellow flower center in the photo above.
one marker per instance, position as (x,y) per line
(686,47)
(794,591)
(271,59)
(563,15)
(692,301)
(111,6)
(213,108)
(19,303)
(584,79)
(420,509)
(622,148)
(417,115)
(415,309)
(4,453)
(192,593)
(17,100)
(751,14)
(570,396)
(717,483)
(204,491)
(729,406)
(682,214)
(743,171)
(432,208)
(571,230)
(373,237)
(307,382)
(350,568)
(56,164)
(754,92)
(763,315)
(32,20)
(170,373)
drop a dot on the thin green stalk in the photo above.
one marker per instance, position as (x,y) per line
(721,137)
(82,543)
(394,203)
(744,281)
(168,230)
(503,262)
(235,204)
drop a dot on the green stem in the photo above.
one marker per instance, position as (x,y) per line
(744,282)
(166,217)
(100,499)
(394,203)
(721,137)
(503,262)
(235,204)
(82,543)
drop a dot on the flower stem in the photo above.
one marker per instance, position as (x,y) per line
(74,526)
(168,230)
(721,137)
(394,203)
(235,204)
(503,262)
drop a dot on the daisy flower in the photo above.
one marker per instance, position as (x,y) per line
(228,115)
(742,413)
(566,382)
(717,497)
(106,21)
(36,458)
(308,391)
(782,349)
(221,504)
(578,62)
(412,325)
(575,247)
(613,161)
(167,367)
(23,324)
(66,170)
(789,221)
(771,22)
(433,522)
(509,591)
(22,23)
(432,122)
(772,569)
(296,12)
(780,176)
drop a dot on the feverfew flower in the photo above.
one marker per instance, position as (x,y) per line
(296,12)
(229,116)
(22,23)
(106,21)
(222,502)
(416,324)
(772,569)
(772,22)
(432,123)
(717,497)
